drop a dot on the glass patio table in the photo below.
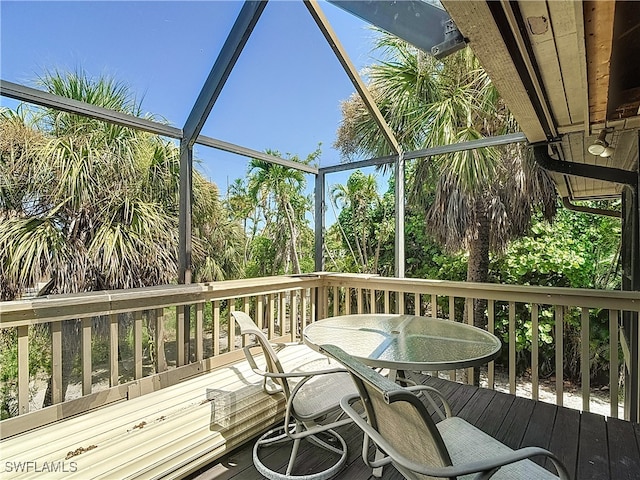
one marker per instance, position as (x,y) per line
(405,342)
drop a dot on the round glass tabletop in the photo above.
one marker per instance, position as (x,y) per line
(405,342)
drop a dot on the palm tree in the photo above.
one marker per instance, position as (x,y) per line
(475,200)
(359,200)
(243,208)
(92,206)
(278,191)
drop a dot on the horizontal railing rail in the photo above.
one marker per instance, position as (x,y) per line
(114,345)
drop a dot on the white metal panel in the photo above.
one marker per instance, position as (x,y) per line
(176,429)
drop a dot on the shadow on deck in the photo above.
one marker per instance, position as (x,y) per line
(591,446)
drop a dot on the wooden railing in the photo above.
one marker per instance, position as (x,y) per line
(142,331)
(347,293)
(135,339)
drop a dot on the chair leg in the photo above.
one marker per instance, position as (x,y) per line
(294,453)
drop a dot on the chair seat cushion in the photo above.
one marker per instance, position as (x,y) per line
(467,443)
(322,394)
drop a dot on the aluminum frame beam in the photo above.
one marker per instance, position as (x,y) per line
(233,45)
(69,105)
(431,151)
(44,99)
(319,221)
(247,152)
(341,167)
(341,54)
(470,145)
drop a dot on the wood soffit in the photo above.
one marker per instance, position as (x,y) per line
(586,55)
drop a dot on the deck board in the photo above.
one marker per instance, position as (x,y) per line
(591,446)
(489,423)
(593,451)
(538,432)
(515,423)
(564,438)
(623,450)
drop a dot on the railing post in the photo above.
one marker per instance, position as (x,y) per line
(559,330)
(231,326)
(535,318)
(216,327)
(283,312)
(293,317)
(512,348)
(585,358)
(271,316)
(137,344)
(23,369)
(304,307)
(161,359)
(181,335)
(86,356)
(199,331)
(491,326)
(57,395)
(434,305)
(260,311)
(613,362)
(113,350)
(469,319)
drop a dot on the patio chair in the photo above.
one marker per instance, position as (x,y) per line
(406,435)
(312,391)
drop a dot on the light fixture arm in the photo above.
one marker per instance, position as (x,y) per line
(600,146)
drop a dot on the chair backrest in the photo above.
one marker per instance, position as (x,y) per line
(273,364)
(398,415)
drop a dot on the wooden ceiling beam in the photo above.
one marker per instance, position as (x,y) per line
(598,28)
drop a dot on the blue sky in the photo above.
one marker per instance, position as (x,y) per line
(284,93)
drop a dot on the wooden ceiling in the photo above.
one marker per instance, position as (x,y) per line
(567,70)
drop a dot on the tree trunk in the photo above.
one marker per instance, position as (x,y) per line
(478,270)
(292,234)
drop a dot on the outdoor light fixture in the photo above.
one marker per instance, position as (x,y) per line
(601,146)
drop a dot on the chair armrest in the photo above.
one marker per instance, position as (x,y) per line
(485,469)
(438,393)
(310,373)
(307,373)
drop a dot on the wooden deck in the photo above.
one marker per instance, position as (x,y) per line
(590,445)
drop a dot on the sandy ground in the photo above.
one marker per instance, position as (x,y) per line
(572,398)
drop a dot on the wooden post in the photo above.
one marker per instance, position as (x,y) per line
(114,373)
(161,359)
(559,314)
(23,369)
(137,344)
(86,356)
(534,352)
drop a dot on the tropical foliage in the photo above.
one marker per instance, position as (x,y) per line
(365,223)
(473,200)
(274,209)
(87,205)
